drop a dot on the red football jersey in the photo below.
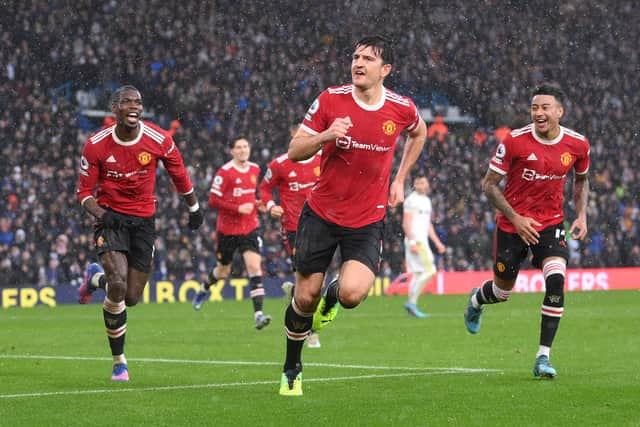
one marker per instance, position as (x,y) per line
(536,170)
(230,188)
(353,188)
(294,181)
(123,173)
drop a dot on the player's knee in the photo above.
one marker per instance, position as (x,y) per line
(351,298)
(131,302)
(116,287)
(222,271)
(307,302)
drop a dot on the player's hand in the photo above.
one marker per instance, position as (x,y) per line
(441,248)
(111,220)
(413,247)
(578,229)
(195,219)
(525,227)
(246,208)
(339,128)
(396,193)
(276,211)
(261,206)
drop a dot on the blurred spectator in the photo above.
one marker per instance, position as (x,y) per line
(501,132)
(438,129)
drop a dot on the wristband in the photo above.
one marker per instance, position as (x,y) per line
(270,204)
(194,208)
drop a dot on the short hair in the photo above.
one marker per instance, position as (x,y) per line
(115,96)
(547,89)
(232,144)
(381,46)
(419,174)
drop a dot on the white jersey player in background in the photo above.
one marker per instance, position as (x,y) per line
(418,229)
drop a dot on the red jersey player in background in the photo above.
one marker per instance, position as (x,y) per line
(535,161)
(294,181)
(357,126)
(233,193)
(116,185)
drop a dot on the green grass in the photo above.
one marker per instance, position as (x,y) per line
(178,378)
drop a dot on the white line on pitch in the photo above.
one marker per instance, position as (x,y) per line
(247,363)
(218,385)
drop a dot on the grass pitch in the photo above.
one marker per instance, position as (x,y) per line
(376,366)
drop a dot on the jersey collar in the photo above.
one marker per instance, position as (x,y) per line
(547,141)
(128,143)
(364,106)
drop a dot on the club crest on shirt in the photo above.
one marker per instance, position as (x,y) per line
(389,127)
(254,179)
(566,158)
(316,171)
(144,158)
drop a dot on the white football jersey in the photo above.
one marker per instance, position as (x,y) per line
(420,207)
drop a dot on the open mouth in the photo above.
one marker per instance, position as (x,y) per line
(132,117)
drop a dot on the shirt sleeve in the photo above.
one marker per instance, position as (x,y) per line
(414,117)
(216,194)
(268,183)
(316,118)
(174,165)
(581,165)
(88,174)
(501,160)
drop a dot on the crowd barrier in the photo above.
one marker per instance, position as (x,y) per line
(238,288)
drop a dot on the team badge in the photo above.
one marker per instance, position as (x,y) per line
(144,158)
(254,179)
(501,267)
(316,171)
(389,127)
(566,159)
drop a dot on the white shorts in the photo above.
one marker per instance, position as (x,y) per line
(421,262)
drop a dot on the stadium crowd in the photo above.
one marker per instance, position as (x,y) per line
(215,70)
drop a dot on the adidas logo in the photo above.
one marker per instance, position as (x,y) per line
(238,181)
(532,156)
(111,159)
(292,174)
